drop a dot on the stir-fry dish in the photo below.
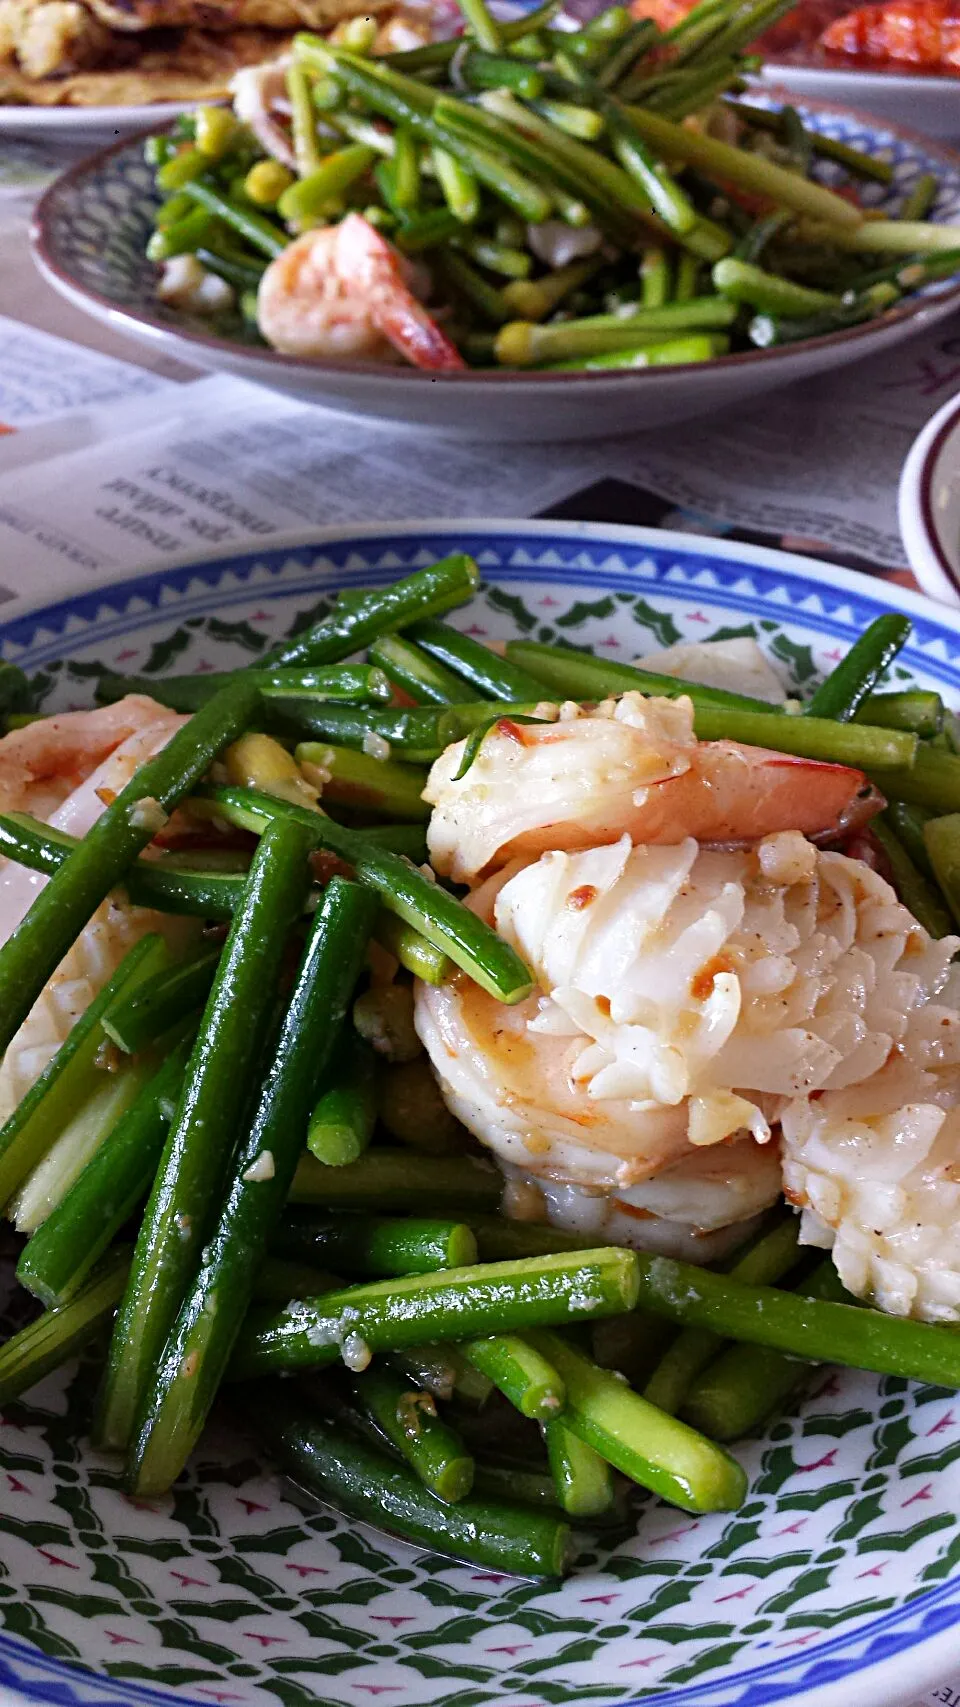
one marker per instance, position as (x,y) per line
(908,34)
(494,1070)
(905,35)
(527,196)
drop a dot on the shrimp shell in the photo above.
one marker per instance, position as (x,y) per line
(631,766)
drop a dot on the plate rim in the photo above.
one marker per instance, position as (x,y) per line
(928,475)
(99,117)
(871,80)
(915,504)
(887,1680)
(889,594)
(916,310)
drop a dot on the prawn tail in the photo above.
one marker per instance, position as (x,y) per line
(833,801)
(419,338)
(856,812)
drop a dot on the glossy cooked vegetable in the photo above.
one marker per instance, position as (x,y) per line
(351,684)
(746,1383)
(845,690)
(49,1341)
(432,911)
(220,1077)
(370,1486)
(764,1264)
(434,1451)
(142,1015)
(72,1075)
(822,1332)
(396,1181)
(61,1253)
(177,1400)
(648,1446)
(522,1373)
(582,1481)
(377,1244)
(387,1315)
(345,1113)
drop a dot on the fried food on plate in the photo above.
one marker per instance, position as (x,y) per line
(226,15)
(106,53)
(52,39)
(161,65)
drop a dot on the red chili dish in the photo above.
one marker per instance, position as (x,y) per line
(915,35)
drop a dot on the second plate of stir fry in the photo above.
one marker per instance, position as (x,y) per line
(531,197)
(525,231)
(497,1074)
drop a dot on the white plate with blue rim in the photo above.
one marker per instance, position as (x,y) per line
(89,240)
(838,1582)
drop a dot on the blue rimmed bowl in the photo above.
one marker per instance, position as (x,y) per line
(91,231)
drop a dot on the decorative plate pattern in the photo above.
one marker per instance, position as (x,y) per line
(839,1580)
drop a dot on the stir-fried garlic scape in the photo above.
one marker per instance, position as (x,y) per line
(654,965)
(531,196)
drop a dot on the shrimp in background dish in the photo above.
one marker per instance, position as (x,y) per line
(340,292)
(65,769)
(632,765)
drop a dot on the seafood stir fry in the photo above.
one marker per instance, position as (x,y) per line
(529,196)
(711,978)
(395,1017)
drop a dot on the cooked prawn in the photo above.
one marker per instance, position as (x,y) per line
(341,292)
(45,761)
(692,1001)
(600,1161)
(630,766)
(906,32)
(66,769)
(666,14)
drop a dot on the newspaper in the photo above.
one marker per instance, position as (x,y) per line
(764,467)
(224,461)
(44,378)
(227,463)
